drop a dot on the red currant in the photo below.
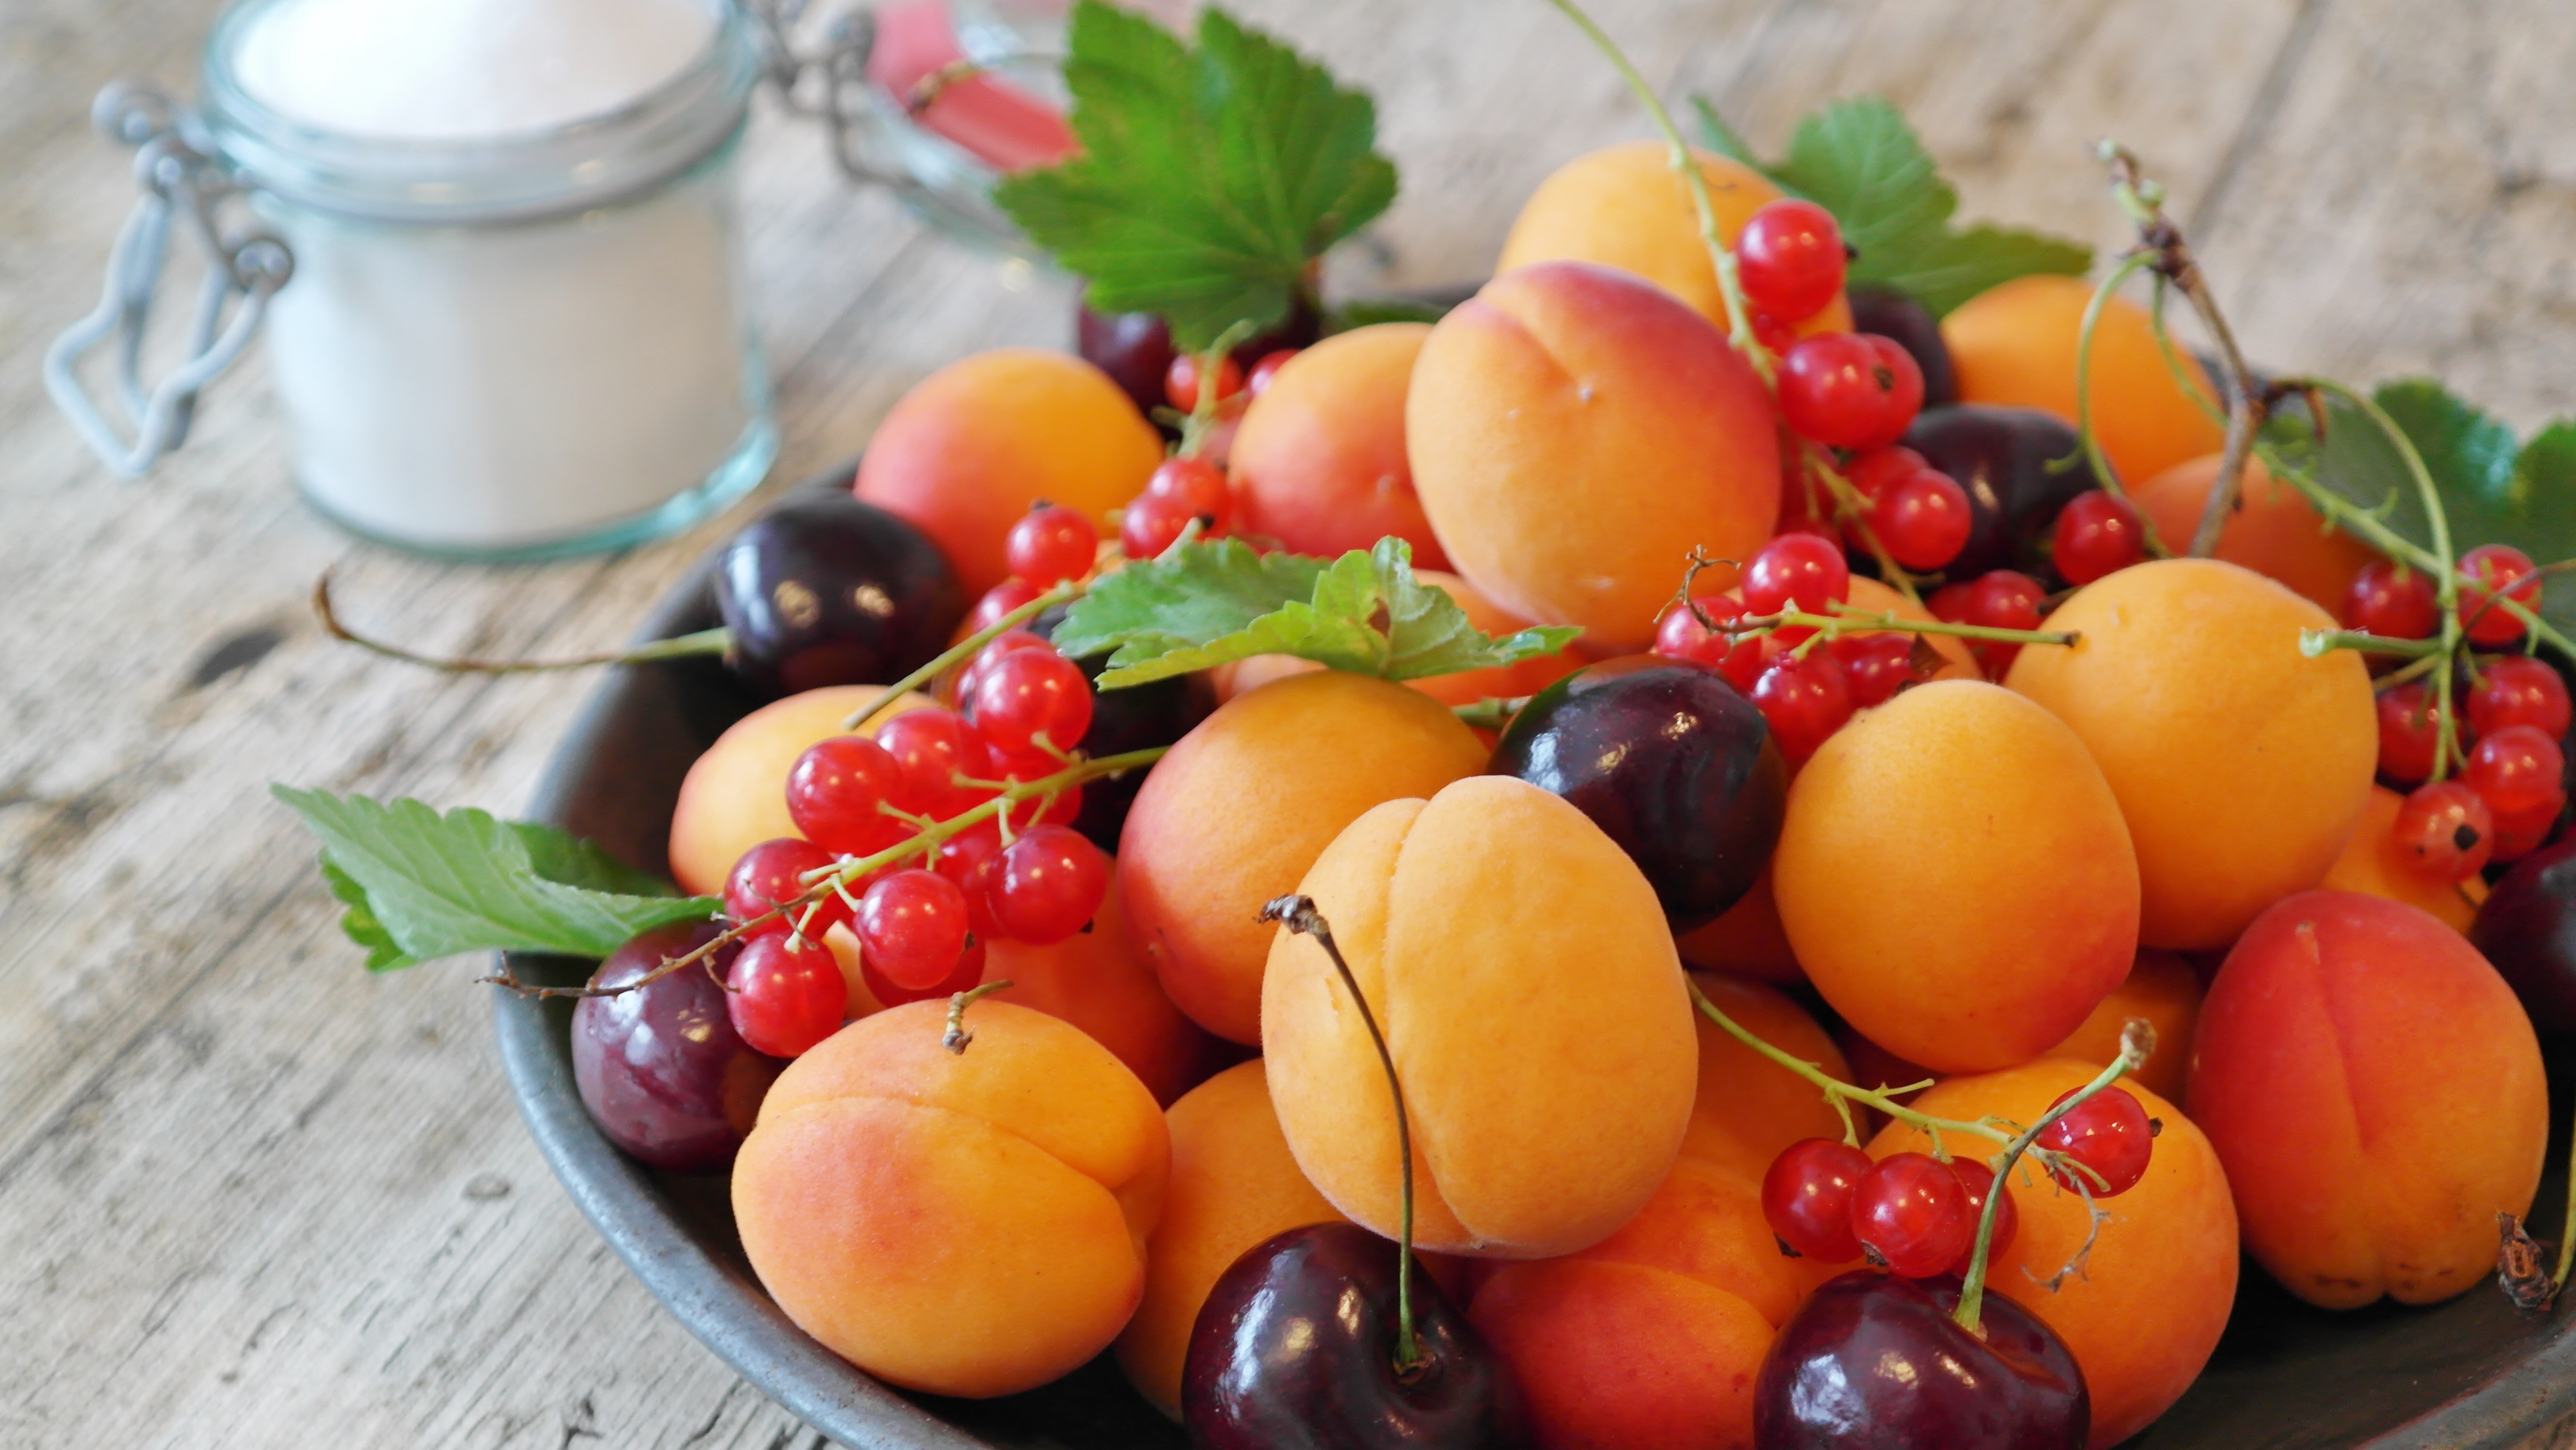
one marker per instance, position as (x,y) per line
(1775,336)
(1681,636)
(2515,770)
(1001,599)
(1923,522)
(788,994)
(931,747)
(1047,885)
(2002,599)
(1790,256)
(911,926)
(2097,533)
(1181,381)
(1153,522)
(2108,1133)
(1029,699)
(1198,483)
(1800,572)
(972,673)
(1876,470)
(1877,665)
(2445,830)
(1807,1198)
(1266,369)
(1050,544)
(2392,600)
(2489,570)
(1911,1213)
(2408,732)
(1060,811)
(1804,700)
(834,789)
(772,874)
(967,859)
(2519,690)
(1849,389)
(2523,832)
(1953,603)
(969,971)
(1978,1180)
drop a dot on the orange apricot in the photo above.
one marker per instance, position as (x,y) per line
(2273,529)
(2016,344)
(2376,863)
(1748,1107)
(2163,989)
(1002,1194)
(735,794)
(1747,940)
(1520,968)
(1246,802)
(1100,981)
(2376,1093)
(2154,1290)
(1955,878)
(1616,1356)
(2242,765)
(1574,433)
(1319,463)
(972,446)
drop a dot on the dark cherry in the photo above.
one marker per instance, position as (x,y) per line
(660,1068)
(1672,761)
(1135,348)
(1136,718)
(1874,1362)
(826,590)
(1898,317)
(2528,929)
(1295,1350)
(2001,457)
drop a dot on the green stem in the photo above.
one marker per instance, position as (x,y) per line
(1839,1091)
(2130,266)
(1851,509)
(1491,712)
(962,651)
(705,642)
(2315,642)
(1203,409)
(1846,618)
(2182,377)
(2566,1232)
(956,1036)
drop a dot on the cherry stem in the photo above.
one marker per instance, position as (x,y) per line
(956,1036)
(704,642)
(962,651)
(1492,712)
(2137,1043)
(2086,435)
(1298,914)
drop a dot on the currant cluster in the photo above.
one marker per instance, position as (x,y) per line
(1188,485)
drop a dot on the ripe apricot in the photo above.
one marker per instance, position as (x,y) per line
(2146,1309)
(1246,802)
(1747,941)
(1233,1185)
(972,446)
(735,794)
(2273,531)
(2242,766)
(2376,1093)
(1574,433)
(1319,462)
(2162,988)
(1100,981)
(2015,345)
(2376,863)
(1519,965)
(1748,1107)
(1955,878)
(1002,1194)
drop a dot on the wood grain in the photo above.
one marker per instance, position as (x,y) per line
(253,1197)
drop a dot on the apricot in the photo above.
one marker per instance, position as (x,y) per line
(1748,1107)
(1100,981)
(1747,940)
(1574,434)
(1519,965)
(1622,206)
(1955,878)
(2015,345)
(972,446)
(735,794)
(2162,988)
(2375,863)
(2376,1093)
(1233,1185)
(2273,530)
(2146,1309)
(2242,766)
(1001,1195)
(1246,802)
(1319,462)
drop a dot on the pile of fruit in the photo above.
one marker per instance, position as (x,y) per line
(1896,827)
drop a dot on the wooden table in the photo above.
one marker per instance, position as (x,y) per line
(251,1196)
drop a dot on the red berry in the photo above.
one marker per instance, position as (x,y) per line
(1923,522)
(1796,572)
(1149,525)
(999,600)
(2408,731)
(1181,381)
(1804,700)
(1952,603)
(970,970)
(911,926)
(1266,369)
(2519,690)
(1790,256)
(788,994)
(1198,483)
(1680,635)
(2489,570)
(2515,770)
(772,874)
(1031,696)
(1047,885)
(2002,599)
(1061,811)
(1050,544)
(1849,389)
(2391,599)
(1911,1213)
(834,789)
(2108,1133)
(2097,533)
(2445,830)
(1876,665)
(1977,1180)
(967,859)
(1807,1197)
(1775,336)
(972,672)
(2520,834)
(931,747)
(1877,470)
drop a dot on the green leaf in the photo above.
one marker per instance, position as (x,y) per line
(1720,137)
(1191,595)
(1947,271)
(1210,177)
(420,885)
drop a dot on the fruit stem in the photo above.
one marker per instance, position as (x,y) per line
(1298,914)
(1838,1091)
(1851,508)
(1203,408)
(1730,285)
(960,652)
(2315,642)
(1846,619)
(714,641)
(956,1036)
(2130,266)
(2566,1232)
(1490,713)
(2137,1043)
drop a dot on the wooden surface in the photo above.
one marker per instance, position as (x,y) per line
(250,1196)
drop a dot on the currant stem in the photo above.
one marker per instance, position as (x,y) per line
(1203,408)
(1852,509)
(956,1036)
(1298,914)
(1492,712)
(962,651)
(1848,619)
(714,641)
(1837,1090)
(2315,642)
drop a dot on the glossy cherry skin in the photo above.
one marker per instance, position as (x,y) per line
(1910,325)
(1295,1350)
(661,1069)
(1672,762)
(1874,1362)
(2527,928)
(826,590)
(2000,456)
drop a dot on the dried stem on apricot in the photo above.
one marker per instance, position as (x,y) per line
(955,1036)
